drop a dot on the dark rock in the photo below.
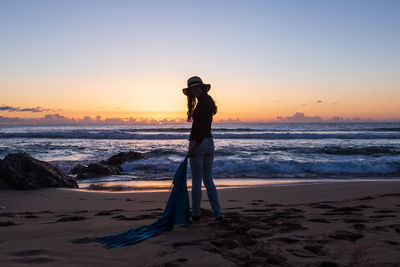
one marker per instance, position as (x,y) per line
(96,170)
(78,169)
(21,171)
(110,166)
(122,157)
(3,184)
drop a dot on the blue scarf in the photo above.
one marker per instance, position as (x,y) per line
(177,211)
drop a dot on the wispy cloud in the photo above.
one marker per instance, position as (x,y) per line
(8,108)
(18,109)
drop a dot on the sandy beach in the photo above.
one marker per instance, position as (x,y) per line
(335,224)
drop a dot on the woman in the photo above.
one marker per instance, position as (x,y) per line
(201,145)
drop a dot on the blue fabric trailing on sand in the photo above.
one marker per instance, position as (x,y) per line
(177,211)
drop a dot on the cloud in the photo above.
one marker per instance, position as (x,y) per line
(299,117)
(318,102)
(56,118)
(8,108)
(18,109)
(230,120)
(337,119)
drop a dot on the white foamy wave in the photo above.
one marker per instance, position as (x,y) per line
(293,168)
(224,168)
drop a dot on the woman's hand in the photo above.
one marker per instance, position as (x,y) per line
(192,150)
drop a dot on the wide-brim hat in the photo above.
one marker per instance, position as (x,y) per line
(193,82)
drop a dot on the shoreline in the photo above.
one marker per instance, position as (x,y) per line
(221,183)
(299,225)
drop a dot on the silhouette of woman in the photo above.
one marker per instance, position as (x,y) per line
(201,108)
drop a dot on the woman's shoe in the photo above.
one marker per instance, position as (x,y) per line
(196,219)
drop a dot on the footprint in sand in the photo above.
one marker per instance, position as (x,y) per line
(345,235)
(273,205)
(316,249)
(7,223)
(104,213)
(302,253)
(259,210)
(390,242)
(322,206)
(382,216)
(320,220)
(286,240)
(366,198)
(384,211)
(71,219)
(359,226)
(390,195)
(380,228)
(34,256)
(32,252)
(137,218)
(233,208)
(80,211)
(31,216)
(355,220)
(328,264)
(7,215)
(84,240)
(176,262)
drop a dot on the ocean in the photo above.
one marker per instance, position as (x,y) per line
(245,153)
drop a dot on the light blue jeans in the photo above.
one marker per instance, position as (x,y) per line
(201,168)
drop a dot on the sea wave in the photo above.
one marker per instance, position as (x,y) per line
(343,151)
(122,135)
(225,167)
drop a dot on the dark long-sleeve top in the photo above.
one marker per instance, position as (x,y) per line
(202,119)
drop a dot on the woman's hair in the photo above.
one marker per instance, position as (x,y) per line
(191,104)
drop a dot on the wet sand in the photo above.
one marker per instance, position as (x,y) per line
(335,224)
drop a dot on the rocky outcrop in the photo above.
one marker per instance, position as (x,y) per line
(21,171)
(122,157)
(95,170)
(111,166)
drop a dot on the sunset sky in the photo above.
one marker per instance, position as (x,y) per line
(263,59)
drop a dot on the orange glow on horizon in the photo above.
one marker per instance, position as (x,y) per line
(161,98)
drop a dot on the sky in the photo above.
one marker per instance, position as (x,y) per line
(265,60)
